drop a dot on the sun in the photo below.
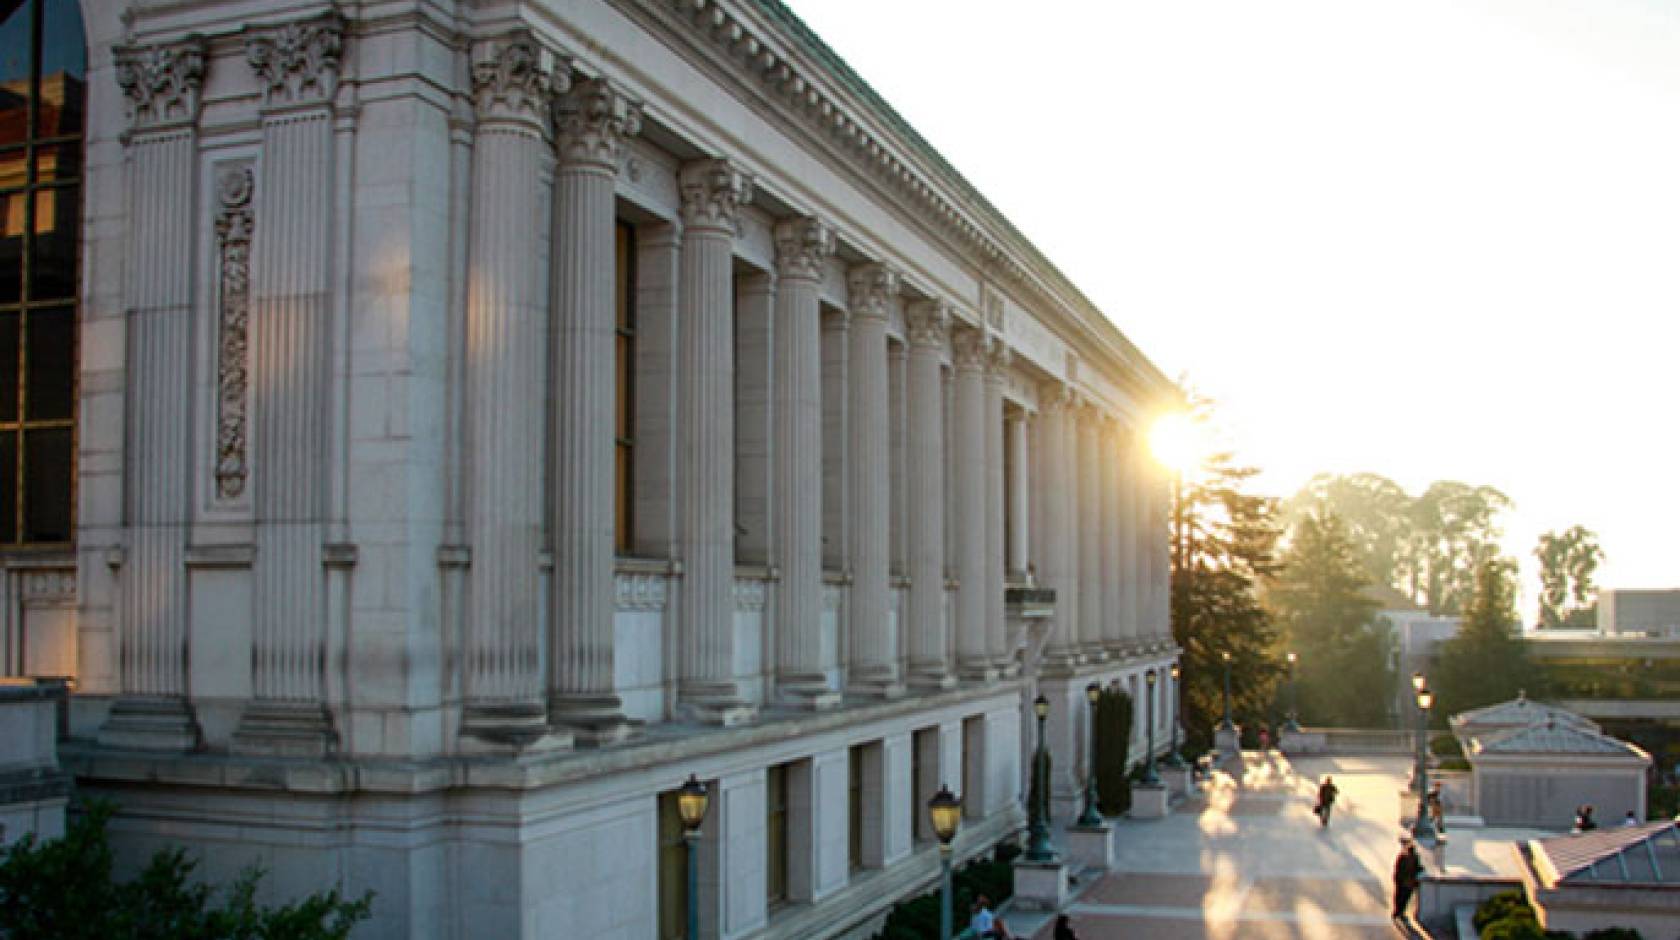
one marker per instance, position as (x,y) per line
(1180,442)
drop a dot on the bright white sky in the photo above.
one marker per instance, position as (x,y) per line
(1433,239)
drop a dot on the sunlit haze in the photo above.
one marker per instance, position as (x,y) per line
(1432,239)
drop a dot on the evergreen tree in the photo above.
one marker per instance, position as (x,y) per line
(1323,614)
(1487,661)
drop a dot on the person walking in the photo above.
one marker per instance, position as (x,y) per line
(1326,799)
(1408,868)
(1437,814)
(981,923)
(1064,929)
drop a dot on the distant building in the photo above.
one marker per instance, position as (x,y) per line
(1639,613)
(1417,635)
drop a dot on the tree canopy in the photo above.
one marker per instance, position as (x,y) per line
(1568,560)
(1487,661)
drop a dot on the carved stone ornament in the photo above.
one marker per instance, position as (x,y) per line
(991,308)
(970,349)
(928,323)
(516,78)
(161,84)
(999,361)
(233,257)
(803,246)
(1056,396)
(297,63)
(713,192)
(870,289)
(592,121)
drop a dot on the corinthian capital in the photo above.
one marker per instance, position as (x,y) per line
(514,78)
(870,289)
(161,84)
(998,360)
(802,246)
(928,323)
(712,194)
(592,121)
(970,349)
(298,62)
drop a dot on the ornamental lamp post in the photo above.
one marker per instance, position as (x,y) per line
(1092,816)
(1039,848)
(692,801)
(1423,831)
(1293,723)
(1150,778)
(1174,761)
(1418,686)
(945,812)
(1227,724)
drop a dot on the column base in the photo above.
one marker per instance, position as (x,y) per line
(284,729)
(886,687)
(716,703)
(509,728)
(978,671)
(1095,654)
(592,720)
(808,693)
(931,679)
(1091,846)
(1040,886)
(151,724)
(1149,801)
(1059,664)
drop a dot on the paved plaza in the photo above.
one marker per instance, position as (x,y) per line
(1247,860)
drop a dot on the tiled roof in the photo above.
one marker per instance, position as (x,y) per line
(1554,738)
(1647,854)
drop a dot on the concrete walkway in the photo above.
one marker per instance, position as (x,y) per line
(1247,860)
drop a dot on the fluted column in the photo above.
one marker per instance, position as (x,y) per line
(929,325)
(1089,515)
(970,350)
(1015,441)
(873,670)
(803,246)
(1127,514)
(1161,493)
(1115,451)
(1054,483)
(1143,550)
(161,87)
(297,68)
(712,194)
(997,362)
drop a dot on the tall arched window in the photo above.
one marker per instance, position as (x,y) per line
(43,68)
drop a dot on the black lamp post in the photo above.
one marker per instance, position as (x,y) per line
(1227,724)
(1294,721)
(1423,831)
(1092,816)
(1418,685)
(692,801)
(945,812)
(1150,778)
(1173,761)
(1039,848)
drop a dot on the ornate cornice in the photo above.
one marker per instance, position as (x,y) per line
(929,324)
(162,84)
(803,246)
(233,245)
(870,289)
(592,121)
(713,192)
(970,349)
(514,78)
(298,62)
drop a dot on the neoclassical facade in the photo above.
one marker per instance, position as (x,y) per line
(470,419)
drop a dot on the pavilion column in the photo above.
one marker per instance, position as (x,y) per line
(803,247)
(970,350)
(161,86)
(1089,515)
(1113,454)
(297,67)
(928,325)
(1015,441)
(1125,518)
(1143,550)
(873,669)
(712,194)
(1161,501)
(997,632)
(1054,483)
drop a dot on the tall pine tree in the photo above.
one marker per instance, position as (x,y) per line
(1487,661)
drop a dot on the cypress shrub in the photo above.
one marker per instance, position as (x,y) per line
(1114,740)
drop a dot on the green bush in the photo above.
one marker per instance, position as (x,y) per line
(1453,763)
(1513,928)
(63,888)
(1445,745)
(1662,802)
(918,917)
(1501,906)
(1114,740)
(1614,933)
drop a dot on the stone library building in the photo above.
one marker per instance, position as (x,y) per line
(432,431)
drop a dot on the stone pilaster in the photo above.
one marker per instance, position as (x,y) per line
(873,669)
(997,363)
(928,325)
(506,356)
(1126,506)
(712,194)
(297,69)
(971,349)
(161,86)
(1143,558)
(1161,500)
(803,246)
(1116,450)
(1089,519)
(1020,522)
(1054,485)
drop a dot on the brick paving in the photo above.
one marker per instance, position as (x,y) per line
(1246,860)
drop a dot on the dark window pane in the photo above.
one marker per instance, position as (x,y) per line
(8,486)
(16,40)
(63,68)
(52,265)
(11,170)
(56,162)
(46,485)
(50,366)
(11,245)
(8,366)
